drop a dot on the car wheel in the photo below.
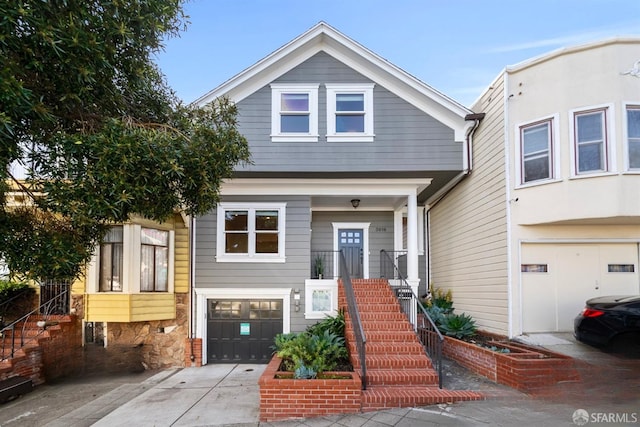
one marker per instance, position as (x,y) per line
(627,345)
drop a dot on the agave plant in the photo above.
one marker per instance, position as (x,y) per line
(458,326)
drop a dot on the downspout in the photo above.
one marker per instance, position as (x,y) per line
(192,290)
(439,195)
(467,165)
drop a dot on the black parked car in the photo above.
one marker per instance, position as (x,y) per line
(612,322)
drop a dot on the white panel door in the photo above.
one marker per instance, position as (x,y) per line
(575,273)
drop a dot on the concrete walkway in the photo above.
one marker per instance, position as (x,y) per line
(218,395)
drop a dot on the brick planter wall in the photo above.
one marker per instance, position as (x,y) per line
(282,399)
(525,368)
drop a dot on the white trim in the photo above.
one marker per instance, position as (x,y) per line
(277,90)
(609,140)
(554,151)
(311,285)
(204,294)
(625,134)
(365,89)
(365,243)
(251,208)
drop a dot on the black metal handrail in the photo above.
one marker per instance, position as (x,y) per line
(426,329)
(354,314)
(323,264)
(17,330)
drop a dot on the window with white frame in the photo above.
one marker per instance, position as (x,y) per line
(112,261)
(590,141)
(633,137)
(350,112)
(536,151)
(294,112)
(251,232)
(321,298)
(154,260)
(133,259)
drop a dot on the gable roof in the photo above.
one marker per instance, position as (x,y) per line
(324,38)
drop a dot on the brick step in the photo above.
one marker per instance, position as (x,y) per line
(395,362)
(387,397)
(381,326)
(383,336)
(379,307)
(390,348)
(422,377)
(382,317)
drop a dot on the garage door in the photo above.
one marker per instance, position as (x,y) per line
(242,331)
(557,279)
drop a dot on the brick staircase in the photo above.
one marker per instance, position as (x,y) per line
(27,361)
(399,373)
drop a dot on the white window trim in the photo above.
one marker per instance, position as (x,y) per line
(625,133)
(203,294)
(130,264)
(554,153)
(277,89)
(609,136)
(221,256)
(311,285)
(364,88)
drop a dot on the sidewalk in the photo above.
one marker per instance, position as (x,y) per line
(217,395)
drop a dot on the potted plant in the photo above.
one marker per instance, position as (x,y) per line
(318,267)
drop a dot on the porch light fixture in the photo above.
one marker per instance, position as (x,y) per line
(355,203)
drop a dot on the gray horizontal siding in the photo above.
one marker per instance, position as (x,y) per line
(406,138)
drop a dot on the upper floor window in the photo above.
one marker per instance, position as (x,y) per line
(349,112)
(536,148)
(251,232)
(154,260)
(133,259)
(294,112)
(590,141)
(112,261)
(633,137)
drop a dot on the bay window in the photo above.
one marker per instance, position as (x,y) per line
(536,148)
(590,141)
(633,137)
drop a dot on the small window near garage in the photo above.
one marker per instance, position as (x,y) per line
(621,268)
(321,298)
(534,268)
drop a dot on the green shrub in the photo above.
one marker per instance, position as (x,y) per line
(318,353)
(9,289)
(437,314)
(458,326)
(442,299)
(333,324)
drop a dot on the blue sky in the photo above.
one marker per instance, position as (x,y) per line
(456,46)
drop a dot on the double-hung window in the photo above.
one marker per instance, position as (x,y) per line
(154,260)
(294,112)
(112,261)
(251,232)
(590,141)
(536,148)
(350,112)
(633,137)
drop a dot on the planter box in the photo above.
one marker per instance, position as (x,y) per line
(524,368)
(284,398)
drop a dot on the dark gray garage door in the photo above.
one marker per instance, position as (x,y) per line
(242,331)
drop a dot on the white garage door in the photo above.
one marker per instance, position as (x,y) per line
(557,279)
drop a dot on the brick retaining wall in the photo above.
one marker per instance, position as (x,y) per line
(296,398)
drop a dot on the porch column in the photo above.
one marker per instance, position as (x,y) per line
(412,242)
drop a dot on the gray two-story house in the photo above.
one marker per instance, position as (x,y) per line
(346,148)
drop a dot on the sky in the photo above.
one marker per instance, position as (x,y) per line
(455,46)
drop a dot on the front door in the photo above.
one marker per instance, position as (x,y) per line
(351,243)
